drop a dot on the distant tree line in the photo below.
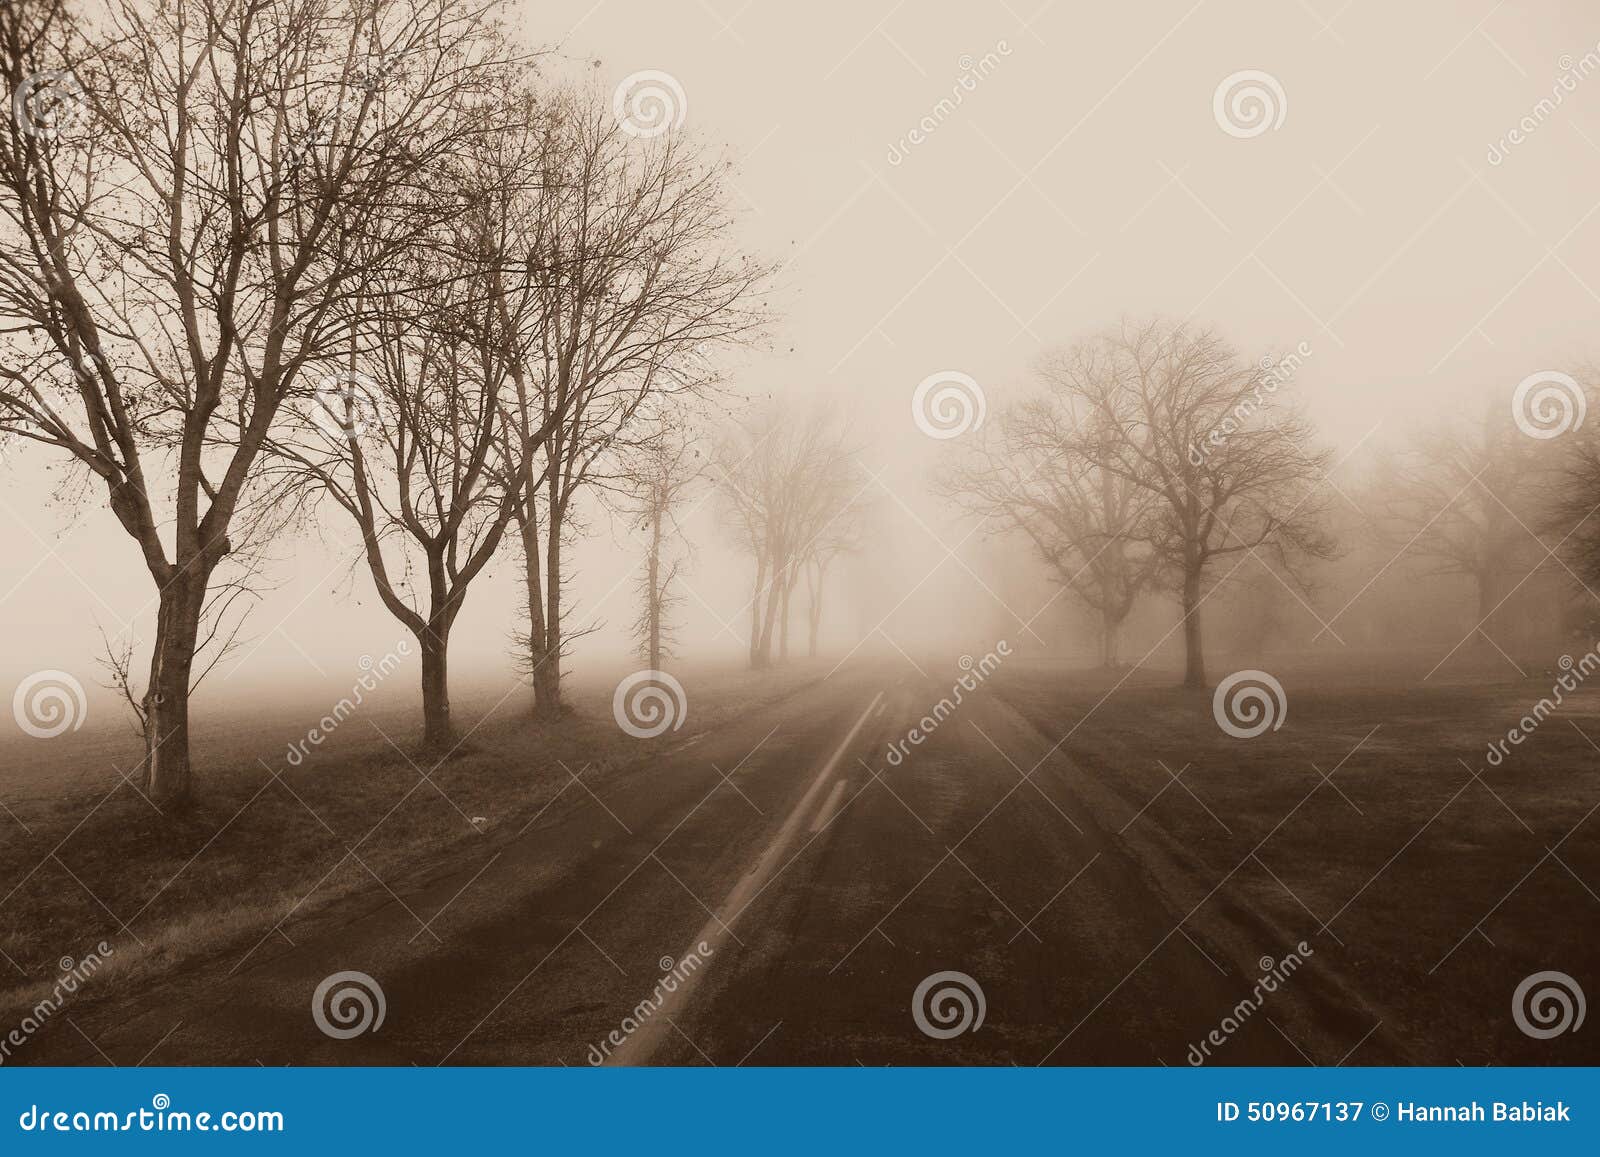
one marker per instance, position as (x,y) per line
(1149,455)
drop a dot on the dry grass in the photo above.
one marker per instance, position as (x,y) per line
(95,861)
(1434,886)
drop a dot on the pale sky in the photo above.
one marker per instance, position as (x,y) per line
(1083,176)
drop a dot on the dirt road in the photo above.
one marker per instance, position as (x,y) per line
(775,892)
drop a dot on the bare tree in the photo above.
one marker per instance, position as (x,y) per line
(1464,497)
(1091,525)
(635,279)
(181,251)
(659,481)
(792,486)
(1259,607)
(408,438)
(1179,414)
(839,538)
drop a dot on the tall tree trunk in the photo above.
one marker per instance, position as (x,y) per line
(770,616)
(814,615)
(528,525)
(1110,625)
(436,730)
(783,617)
(653,607)
(1194,671)
(755,610)
(166,698)
(547,679)
(1488,600)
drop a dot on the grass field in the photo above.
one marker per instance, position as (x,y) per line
(85,857)
(1370,824)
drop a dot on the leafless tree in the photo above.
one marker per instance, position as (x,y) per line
(635,282)
(1093,526)
(182,227)
(792,486)
(840,537)
(1179,414)
(1259,609)
(659,480)
(1465,497)
(407,438)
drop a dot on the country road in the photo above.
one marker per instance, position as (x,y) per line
(801,887)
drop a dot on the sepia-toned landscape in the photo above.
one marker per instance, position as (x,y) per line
(707,534)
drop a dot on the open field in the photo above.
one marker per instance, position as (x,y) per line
(86,856)
(1370,824)
(1092,847)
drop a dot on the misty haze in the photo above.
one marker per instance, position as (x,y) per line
(619,534)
